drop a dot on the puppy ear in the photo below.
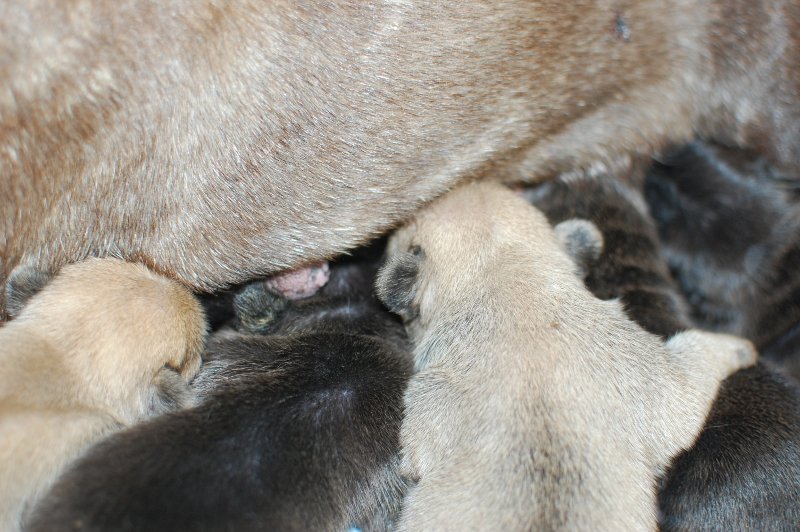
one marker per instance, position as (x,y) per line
(397,282)
(23,283)
(257,308)
(582,241)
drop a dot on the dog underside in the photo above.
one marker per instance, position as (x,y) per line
(218,143)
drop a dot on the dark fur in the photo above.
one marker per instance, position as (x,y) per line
(731,233)
(23,283)
(297,430)
(743,473)
(345,304)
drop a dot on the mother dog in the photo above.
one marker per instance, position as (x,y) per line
(218,141)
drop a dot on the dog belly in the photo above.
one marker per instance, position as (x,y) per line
(217,144)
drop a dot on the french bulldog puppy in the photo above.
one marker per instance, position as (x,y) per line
(103,345)
(743,472)
(535,404)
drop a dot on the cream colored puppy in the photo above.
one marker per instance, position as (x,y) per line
(105,344)
(536,405)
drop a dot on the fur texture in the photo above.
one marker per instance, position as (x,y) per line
(730,224)
(527,380)
(629,265)
(290,132)
(296,430)
(22,284)
(743,472)
(105,344)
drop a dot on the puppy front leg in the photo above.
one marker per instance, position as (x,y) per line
(703,360)
(169,391)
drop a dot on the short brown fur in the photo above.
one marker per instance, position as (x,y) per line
(105,344)
(220,141)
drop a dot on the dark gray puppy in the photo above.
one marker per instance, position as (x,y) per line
(729,224)
(296,429)
(743,473)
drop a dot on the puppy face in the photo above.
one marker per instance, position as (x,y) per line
(129,337)
(420,257)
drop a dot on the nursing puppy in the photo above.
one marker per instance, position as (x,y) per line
(729,223)
(102,346)
(291,132)
(296,430)
(743,472)
(536,405)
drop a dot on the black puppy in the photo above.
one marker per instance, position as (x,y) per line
(730,226)
(297,429)
(743,472)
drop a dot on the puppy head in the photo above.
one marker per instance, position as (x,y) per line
(127,335)
(465,247)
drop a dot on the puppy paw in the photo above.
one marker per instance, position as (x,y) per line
(169,391)
(582,241)
(456,498)
(257,308)
(724,353)
(396,283)
(733,352)
(433,426)
(409,465)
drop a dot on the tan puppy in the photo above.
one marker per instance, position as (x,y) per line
(536,406)
(219,141)
(105,344)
